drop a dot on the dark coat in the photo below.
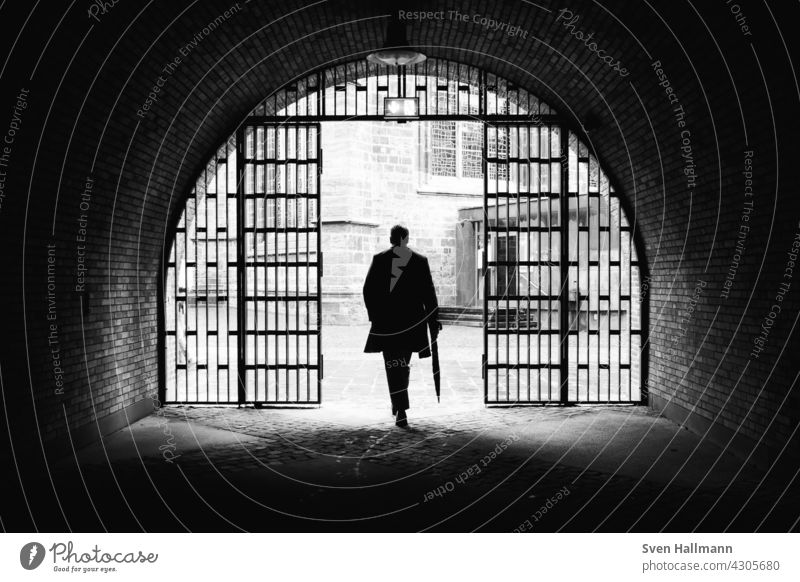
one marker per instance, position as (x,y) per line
(400,318)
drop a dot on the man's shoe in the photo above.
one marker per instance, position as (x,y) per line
(402,420)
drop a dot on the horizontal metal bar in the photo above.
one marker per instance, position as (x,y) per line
(604,366)
(522,297)
(520,160)
(281,196)
(520,331)
(281,161)
(281,230)
(519,229)
(281,367)
(499,366)
(523,263)
(281,263)
(202,298)
(526,119)
(282,403)
(282,332)
(281,297)
(513,195)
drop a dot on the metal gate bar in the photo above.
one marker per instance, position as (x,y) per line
(560,320)
(604,332)
(200,326)
(523,263)
(282,268)
(445,90)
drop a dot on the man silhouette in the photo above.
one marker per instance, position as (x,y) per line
(401,304)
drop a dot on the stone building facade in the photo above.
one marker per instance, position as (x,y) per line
(375,175)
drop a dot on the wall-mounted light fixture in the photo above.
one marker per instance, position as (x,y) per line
(400,108)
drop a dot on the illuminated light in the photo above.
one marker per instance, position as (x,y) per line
(401,108)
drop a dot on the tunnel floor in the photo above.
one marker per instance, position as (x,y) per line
(459,466)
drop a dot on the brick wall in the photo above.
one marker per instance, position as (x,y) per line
(737,93)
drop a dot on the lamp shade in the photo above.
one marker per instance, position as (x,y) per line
(395,51)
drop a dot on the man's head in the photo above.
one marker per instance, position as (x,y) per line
(398,235)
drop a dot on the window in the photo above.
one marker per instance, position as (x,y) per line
(452,161)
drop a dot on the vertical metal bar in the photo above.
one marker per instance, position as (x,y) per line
(485,265)
(630,308)
(240,266)
(256,371)
(307,224)
(545,151)
(265,222)
(619,299)
(206,290)
(507,301)
(529,268)
(539,270)
(564,268)
(598,291)
(320,371)
(162,318)
(296,266)
(286,231)
(516,260)
(280,197)
(227,302)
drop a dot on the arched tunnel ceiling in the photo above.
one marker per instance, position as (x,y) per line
(220,71)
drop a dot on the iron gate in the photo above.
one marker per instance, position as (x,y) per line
(243,276)
(562,311)
(279,234)
(561,322)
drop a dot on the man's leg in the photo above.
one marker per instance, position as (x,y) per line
(397,373)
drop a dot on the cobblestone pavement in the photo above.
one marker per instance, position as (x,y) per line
(459,466)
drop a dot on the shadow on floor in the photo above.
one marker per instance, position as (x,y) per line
(579,468)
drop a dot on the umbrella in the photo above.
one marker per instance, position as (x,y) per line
(437,381)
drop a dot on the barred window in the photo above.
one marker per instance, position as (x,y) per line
(443,146)
(471,150)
